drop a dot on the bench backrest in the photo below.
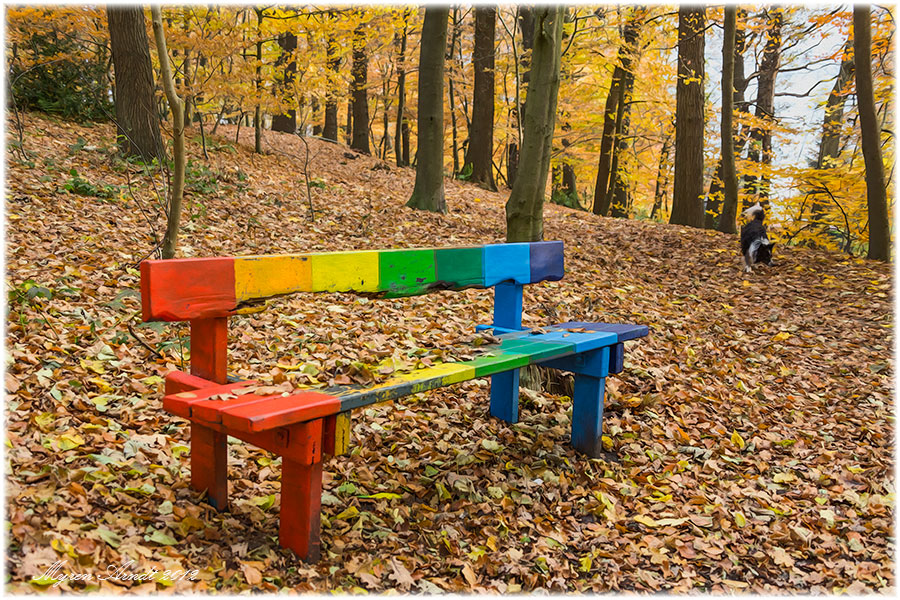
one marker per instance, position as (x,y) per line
(203,288)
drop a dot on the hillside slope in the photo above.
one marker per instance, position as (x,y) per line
(750,437)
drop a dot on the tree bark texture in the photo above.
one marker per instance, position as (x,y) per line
(137,124)
(524,209)
(481,140)
(662,177)
(876,195)
(756,187)
(287,121)
(176,190)
(448,60)
(428,193)
(359,71)
(729,171)
(687,200)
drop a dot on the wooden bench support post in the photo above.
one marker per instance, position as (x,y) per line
(587,414)
(301,492)
(505,386)
(209,448)
(209,464)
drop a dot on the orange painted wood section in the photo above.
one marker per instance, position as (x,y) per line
(279,411)
(187,288)
(209,349)
(209,464)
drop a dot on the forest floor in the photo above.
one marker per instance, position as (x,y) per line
(750,436)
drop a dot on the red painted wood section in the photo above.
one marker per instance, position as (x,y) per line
(211,410)
(280,411)
(182,403)
(187,288)
(209,464)
(209,349)
(179,381)
(301,495)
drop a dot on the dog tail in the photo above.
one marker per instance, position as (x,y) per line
(756,211)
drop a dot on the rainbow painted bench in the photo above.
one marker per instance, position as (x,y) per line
(304,424)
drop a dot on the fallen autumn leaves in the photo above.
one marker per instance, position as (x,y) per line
(750,436)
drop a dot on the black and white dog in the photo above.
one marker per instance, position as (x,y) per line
(755,244)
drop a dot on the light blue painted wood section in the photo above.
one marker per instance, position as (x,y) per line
(508,305)
(507,262)
(594,362)
(582,341)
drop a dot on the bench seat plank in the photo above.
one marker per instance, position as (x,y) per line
(252,413)
(625,332)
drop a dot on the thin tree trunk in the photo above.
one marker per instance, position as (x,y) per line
(428,193)
(830,146)
(716,194)
(662,177)
(137,124)
(359,70)
(729,171)
(287,121)
(257,117)
(687,199)
(526,24)
(524,209)
(479,153)
(876,195)
(449,62)
(176,190)
(333,62)
(756,186)
(400,40)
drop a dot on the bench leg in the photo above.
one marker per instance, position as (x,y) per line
(209,464)
(505,396)
(587,414)
(301,491)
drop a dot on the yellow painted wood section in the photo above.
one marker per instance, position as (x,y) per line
(266,276)
(342,434)
(345,271)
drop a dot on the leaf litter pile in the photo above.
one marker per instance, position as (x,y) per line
(749,438)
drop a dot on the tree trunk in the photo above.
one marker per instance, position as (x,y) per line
(662,177)
(618,197)
(333,62)
(687,200)
(876,195)
(359,71)
(481,140)
(729,171)
(400,40)
(176,190)
(524,209)
(615,114)
(526,24)
(716,194)
(287,121)
(830,146)
(757,186)
(137,124)
(257,116)
(348,133)
(449,62)
(428,193)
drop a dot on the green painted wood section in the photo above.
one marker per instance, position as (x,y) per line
(459,267)
(405,272)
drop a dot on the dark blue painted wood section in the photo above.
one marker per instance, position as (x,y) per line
(625,332)
(587,415)
(595,363)
(507,262)
(547,262)
(617,358)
